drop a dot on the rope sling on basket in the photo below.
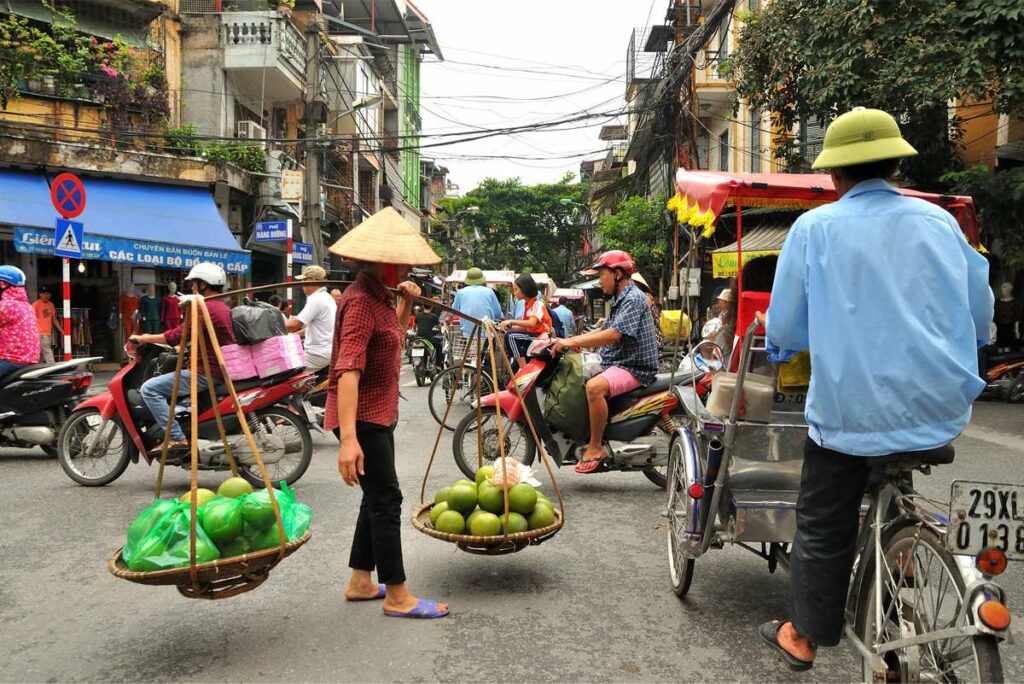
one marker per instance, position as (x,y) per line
(506,541)
(224,577)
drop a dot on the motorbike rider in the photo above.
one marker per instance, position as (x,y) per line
(426,323)
(205,279)
(840,291)
(19,332)
(630,350)
(316,318)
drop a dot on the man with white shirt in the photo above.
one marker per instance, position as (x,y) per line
(316,318)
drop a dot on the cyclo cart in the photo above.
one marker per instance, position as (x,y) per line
(922,605)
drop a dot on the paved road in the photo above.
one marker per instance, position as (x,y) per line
(593,604)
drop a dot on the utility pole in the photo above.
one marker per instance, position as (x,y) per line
(357,206)
(314,117)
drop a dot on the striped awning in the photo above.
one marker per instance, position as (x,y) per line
(764,240)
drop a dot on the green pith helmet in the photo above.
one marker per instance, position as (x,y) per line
(475,276)
(861,136)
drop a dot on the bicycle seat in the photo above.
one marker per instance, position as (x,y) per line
(942,455)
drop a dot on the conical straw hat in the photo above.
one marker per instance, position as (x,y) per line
(385,238)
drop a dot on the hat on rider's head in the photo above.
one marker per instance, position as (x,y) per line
(862,136)
(312,272)
(385,238)
(475,276)
(725,295)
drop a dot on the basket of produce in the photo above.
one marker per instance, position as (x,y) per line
(209,544)
(501,512)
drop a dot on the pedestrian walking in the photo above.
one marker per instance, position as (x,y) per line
(45,313)
(362,404)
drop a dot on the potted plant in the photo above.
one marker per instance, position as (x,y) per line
(285,6)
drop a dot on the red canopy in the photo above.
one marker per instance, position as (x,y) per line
(703,194)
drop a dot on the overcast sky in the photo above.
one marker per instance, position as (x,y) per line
(573,53)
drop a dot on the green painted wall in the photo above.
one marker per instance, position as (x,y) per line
(409,113)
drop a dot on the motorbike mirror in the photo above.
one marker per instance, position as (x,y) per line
(708,357)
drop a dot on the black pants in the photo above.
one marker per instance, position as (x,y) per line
(377,544)
(832,486)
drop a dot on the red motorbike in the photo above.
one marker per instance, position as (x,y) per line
(637,437)
(107,431)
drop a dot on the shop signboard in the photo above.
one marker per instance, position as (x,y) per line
(303,252)
(270,231)
(139,252)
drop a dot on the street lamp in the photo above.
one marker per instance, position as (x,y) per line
(360,103)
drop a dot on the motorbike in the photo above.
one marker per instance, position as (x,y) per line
(108,431)
(35,402)
(637,437)
(424,358)
(1005,376)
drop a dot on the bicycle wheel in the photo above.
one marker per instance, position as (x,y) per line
(467,443)
(680,512)
(922,592)
(462,385)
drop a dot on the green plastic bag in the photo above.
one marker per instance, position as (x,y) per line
(258,514)
(565,404)
(298,516)
(221,518)
(167,543)
(142,524)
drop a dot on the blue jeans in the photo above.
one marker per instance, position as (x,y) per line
(9,367)
(156,392)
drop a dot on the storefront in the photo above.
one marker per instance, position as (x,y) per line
(140,240)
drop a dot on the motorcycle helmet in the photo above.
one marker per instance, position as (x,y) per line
(12,275)
(615,259)
(209,273)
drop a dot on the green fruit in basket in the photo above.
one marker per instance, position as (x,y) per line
(234,487)
(484,473)
(462,498)
(516,523)
(476,513)
(257,511)
(202,496)
(522,498)
(145,520)
(265,539)
(484,524)
(542,516)
(436,510)
(235,547)
(467,483)
(221,519)
(442,495)
(492,500)
(451,522)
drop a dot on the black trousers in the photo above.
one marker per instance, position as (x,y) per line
(832,485)
(377,544)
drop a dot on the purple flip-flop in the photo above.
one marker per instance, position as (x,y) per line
(425,610)
(382,590)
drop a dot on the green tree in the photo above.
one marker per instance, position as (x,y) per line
(520,227)
(638,226)
(999,198)
(802,59)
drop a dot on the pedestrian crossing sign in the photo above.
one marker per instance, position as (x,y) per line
(68,239)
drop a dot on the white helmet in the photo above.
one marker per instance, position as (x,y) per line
(209,273)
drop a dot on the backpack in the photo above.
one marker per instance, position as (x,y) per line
(565,404)
(556,323)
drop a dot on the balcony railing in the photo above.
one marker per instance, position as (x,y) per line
(261,40)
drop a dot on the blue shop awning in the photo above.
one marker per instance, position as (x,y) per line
(146,224)
(25,199)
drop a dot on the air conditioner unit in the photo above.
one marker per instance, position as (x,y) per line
(250,130)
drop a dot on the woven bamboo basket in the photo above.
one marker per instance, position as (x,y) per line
(502,544)
(225,577)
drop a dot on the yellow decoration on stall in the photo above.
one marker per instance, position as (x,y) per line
(692,215)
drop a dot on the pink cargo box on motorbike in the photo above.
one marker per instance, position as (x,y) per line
(278,354)
(238,359)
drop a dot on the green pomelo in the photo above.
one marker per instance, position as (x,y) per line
(542,516)
(145,520)
(234,487)
(202,496)
(451,522)
(442,495)
(522,498)
(221,519)
(265,539)
(484,473)
(462,498)
(516,523)
(436,510)
(484,524)
(471,516)
(235,547)
(492,500)
(464,482)
(257,511)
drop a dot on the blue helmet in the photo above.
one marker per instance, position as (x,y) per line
(12,275)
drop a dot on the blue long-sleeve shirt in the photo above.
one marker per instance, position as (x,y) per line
(892,302)
(479,301)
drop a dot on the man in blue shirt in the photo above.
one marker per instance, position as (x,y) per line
(892,303)
(477,300)
(564,314)
(629,353)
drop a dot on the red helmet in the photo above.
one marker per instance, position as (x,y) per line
(615,258)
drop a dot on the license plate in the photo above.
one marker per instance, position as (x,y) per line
(985,514)
(418,352)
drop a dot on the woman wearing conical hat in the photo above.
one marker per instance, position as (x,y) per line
(362,404)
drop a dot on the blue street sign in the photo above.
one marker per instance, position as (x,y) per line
(68,239)
(302,252)
(270,231)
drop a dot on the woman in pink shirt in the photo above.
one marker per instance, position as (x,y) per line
(19,336)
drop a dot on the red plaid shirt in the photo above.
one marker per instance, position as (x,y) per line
(367,338)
